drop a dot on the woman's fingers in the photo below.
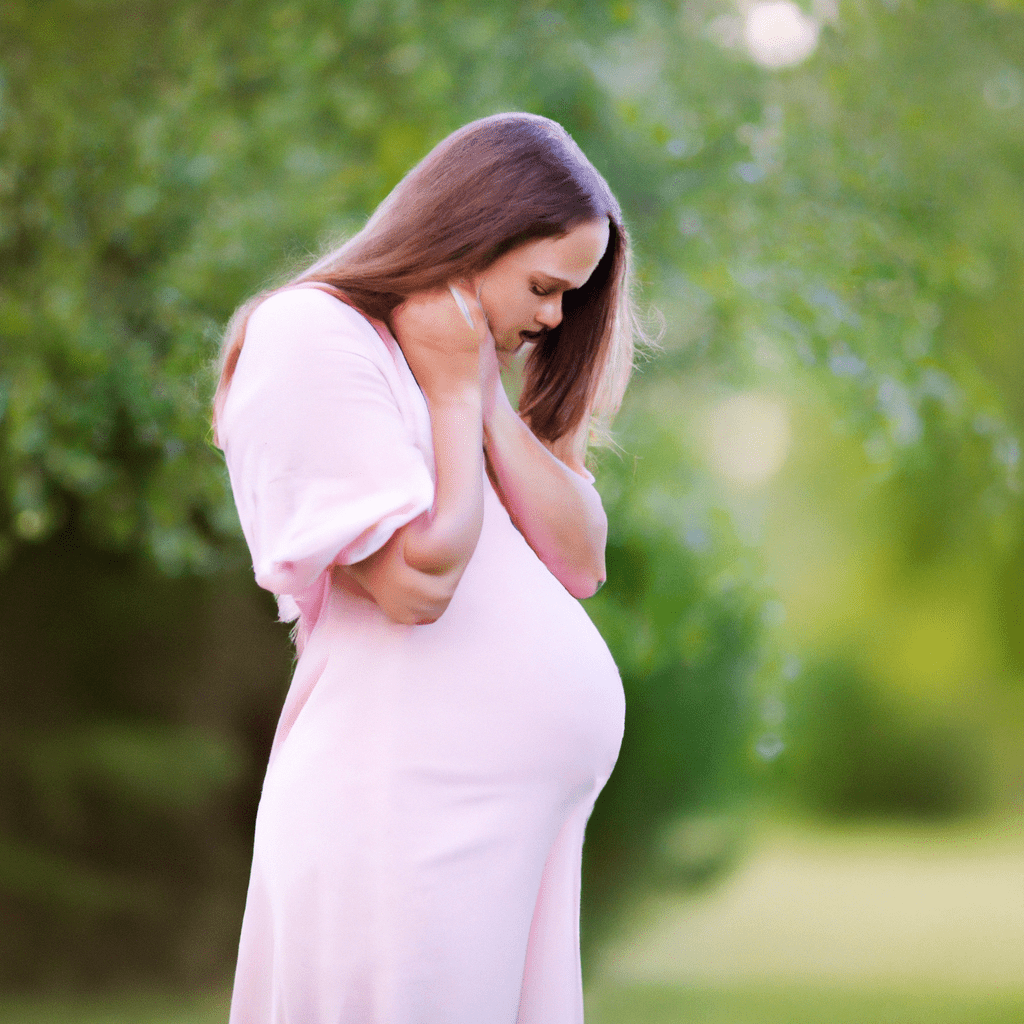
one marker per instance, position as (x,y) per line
(461,303)
(470,306)
(441,347)
(439,319)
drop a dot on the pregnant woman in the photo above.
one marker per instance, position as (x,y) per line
(453,713)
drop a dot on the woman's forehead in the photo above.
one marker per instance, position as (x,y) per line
(565,260)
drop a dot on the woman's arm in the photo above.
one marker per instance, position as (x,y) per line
(557,510)
(414,576)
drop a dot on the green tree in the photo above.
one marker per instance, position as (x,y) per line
(845,232)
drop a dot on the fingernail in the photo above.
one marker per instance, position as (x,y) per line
(461,303)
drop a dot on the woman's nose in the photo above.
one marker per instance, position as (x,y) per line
(550,313)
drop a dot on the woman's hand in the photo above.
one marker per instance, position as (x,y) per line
(442,349)
(414,576)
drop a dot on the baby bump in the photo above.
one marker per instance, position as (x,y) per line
(514,674)
(513,684)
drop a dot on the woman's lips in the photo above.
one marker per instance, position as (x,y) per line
(523,338)
(532,337)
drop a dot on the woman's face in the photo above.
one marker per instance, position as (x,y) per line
(521,292)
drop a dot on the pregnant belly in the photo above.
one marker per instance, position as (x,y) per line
(540,665)
(513,679)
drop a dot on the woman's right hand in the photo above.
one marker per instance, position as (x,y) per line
(413,577)
(441,348)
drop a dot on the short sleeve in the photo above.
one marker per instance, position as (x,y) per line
(324,466)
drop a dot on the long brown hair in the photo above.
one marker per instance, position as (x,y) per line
(485,189)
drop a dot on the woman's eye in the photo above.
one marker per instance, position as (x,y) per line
(537,290)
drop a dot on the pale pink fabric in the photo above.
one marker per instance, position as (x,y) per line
(418,843)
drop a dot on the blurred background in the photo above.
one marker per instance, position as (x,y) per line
(816,560)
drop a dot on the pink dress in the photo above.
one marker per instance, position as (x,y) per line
(418,842)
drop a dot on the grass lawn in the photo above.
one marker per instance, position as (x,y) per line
(656,1004)
(129,1009)
(894,925)
(883,924)
(636,1004)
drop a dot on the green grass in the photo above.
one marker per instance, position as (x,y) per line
(129,1009)
(763,919)
(673,1005)
(610,1005)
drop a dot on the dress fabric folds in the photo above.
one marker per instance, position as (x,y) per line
(419,836)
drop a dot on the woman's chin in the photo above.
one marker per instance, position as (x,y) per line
(513,357)
(510,345)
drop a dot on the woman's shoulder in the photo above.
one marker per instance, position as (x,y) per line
(313,318)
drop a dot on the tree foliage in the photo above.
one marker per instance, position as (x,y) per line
(845,232)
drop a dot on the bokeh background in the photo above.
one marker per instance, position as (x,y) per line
(816,556)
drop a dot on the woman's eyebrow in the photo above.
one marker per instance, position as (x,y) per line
(560,281)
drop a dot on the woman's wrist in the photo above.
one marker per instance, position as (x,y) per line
(456,396)
(444,541)
(501,423)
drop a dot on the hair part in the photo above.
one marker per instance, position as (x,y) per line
(487,188)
